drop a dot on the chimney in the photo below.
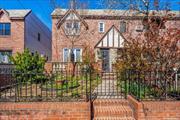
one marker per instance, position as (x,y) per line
(73,4)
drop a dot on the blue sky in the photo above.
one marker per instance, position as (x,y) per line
(43,8)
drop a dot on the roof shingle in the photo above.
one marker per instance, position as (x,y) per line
(18,13)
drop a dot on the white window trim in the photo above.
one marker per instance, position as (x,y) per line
(63,53)
(100,27)
(75,57)
(76,54)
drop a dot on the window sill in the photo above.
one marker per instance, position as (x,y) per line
(6,64)
(4,36)
(101,32)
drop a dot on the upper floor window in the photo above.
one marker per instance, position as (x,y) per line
(39,37)
(139,28)
(4,57)
(5,28)
(122,26)
(101,26)
(72,28)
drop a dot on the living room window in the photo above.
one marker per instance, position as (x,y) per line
(5,29)
(67,54)
(4,57)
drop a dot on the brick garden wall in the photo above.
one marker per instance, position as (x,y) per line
(45,111)
(155,110)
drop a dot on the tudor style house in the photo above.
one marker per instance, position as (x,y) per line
(104,30)
(20,29)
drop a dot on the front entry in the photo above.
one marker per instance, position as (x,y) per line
(105,60)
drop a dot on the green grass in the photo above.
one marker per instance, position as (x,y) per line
(139,90)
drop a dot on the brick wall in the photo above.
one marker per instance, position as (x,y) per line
(45,111)
(92,36)
(17,35)
(155,110)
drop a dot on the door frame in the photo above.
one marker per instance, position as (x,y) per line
(107,50)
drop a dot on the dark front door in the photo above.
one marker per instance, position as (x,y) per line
(105,59)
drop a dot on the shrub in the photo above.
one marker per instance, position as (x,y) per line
(28,67)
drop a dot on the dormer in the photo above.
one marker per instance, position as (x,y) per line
(72,23)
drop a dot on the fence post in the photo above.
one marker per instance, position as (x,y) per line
(126,77)
(90,75)
(139,85)
(86,86)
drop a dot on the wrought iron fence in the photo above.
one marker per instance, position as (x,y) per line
(153,85)
(109,86)
(83,84)
(46,87)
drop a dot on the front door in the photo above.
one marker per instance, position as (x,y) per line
(105,59)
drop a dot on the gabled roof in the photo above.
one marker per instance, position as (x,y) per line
(61,21)
(113,38)
(16,14)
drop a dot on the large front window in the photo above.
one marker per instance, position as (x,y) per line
(67,54)
(72,28)
(5,28)
(4,57)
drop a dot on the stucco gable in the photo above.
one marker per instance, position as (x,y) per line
(112,39)
(71,14)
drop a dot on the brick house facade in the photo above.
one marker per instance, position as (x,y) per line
(107,30)
(20,29)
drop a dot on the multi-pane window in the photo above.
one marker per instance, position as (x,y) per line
(122,26)
(5,28)
(67,54)
(101,27)
(4,56)
(72,27)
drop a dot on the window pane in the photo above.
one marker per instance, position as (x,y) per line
(39,36)
(1,29)
(123,27)
(101,27)
(78,55)
(4,56)
(68,25)
(76,25)
(7,28)
(66,54)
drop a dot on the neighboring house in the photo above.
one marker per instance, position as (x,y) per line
(20,29)
(107,30)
